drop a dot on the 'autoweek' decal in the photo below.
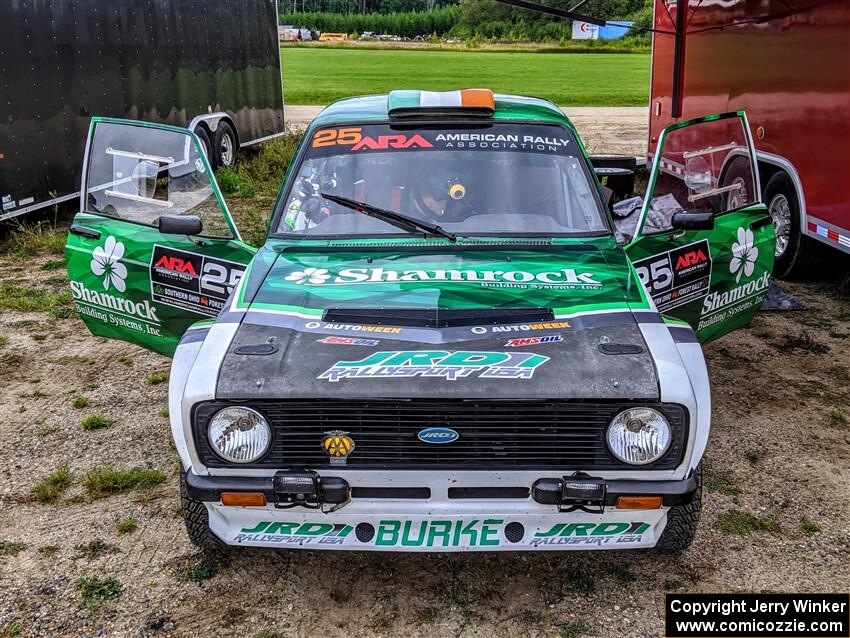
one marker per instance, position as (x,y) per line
(437,363)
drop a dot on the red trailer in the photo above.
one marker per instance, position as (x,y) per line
(787,64)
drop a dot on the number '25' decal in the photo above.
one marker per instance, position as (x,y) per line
(678,276)
(192,281)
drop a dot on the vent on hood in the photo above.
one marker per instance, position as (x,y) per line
(437,317)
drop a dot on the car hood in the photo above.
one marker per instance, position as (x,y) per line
(468,321)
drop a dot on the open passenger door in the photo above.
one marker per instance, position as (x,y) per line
(703,244)
(154,248)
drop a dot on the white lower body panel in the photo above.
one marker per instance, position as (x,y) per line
(425,526)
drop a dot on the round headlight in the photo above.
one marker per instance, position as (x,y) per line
(639,436)
(239,435)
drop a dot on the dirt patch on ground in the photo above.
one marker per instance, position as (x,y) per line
(604,129)
(74,562)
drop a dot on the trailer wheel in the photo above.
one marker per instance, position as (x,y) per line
(204,139)
(682,522)
(224,145)
(794,251)
(197,520)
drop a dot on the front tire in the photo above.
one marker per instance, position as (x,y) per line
(682,522)
(224,145)
(197,520)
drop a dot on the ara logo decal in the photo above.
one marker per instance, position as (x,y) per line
(437,364)
(437,435)
(384,142)
(531,341)
(177,264)
(691,258)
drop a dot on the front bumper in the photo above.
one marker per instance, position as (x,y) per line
(439,523)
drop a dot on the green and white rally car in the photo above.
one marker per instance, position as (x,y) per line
(448,342)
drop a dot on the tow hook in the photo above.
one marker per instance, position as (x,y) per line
(579,491)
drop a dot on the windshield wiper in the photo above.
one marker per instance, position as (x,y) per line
(398,220)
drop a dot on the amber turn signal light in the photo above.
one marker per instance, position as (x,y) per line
(243,499)
(638,502)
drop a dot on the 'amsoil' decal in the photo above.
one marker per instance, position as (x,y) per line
(192,281)
(532,341)
(677,276)
(440,364)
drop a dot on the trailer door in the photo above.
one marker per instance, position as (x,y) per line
(704,244)
(154,248)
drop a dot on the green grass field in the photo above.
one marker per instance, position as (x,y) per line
(313,75)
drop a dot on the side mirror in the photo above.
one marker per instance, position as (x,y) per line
(693,221)
(180,225)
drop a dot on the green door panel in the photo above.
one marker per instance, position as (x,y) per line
(714,280)
(128,280)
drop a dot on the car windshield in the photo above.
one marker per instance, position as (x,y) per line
(491,179)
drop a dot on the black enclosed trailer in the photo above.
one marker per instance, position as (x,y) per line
(209,65)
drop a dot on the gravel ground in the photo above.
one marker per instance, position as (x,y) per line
(605,129)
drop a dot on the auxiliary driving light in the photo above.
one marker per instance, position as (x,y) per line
(307,488)
(239,434)
(579,491)
(639,436)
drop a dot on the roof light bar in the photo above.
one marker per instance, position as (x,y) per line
(476,102)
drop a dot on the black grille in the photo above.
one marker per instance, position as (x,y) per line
(511,434)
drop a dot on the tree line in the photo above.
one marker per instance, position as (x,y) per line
(461,19)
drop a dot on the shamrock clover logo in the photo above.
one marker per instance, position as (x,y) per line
(744,254)
(314,276)
(106,261)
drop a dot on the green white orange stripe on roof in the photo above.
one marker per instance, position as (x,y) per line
(411,102)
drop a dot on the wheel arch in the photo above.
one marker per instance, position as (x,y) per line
(210,122)
(769,165)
